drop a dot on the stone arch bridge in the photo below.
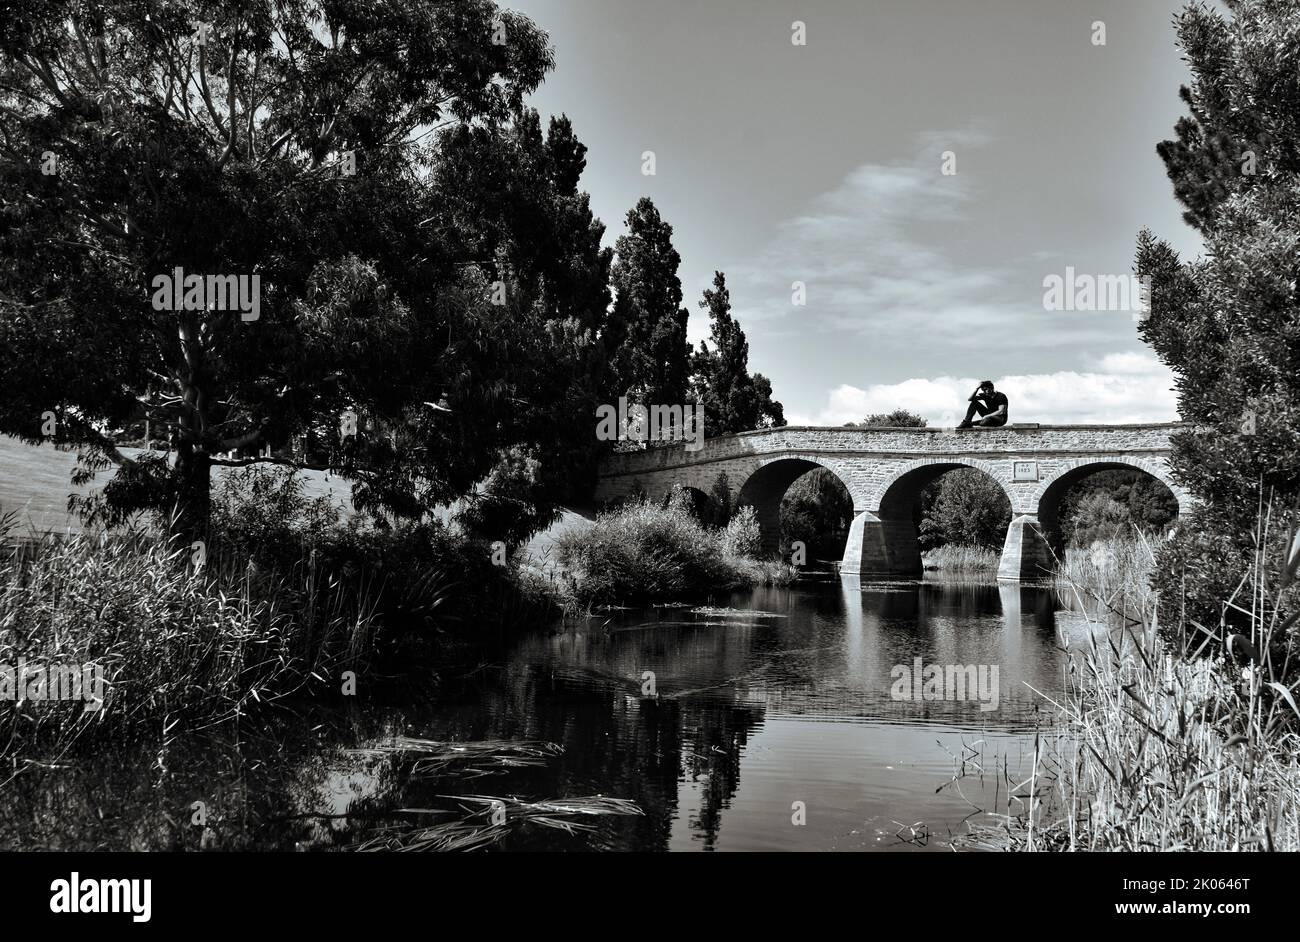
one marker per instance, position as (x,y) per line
(884,471)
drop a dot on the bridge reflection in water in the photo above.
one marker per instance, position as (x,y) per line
(788,699)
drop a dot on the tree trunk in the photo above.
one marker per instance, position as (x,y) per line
(193,491)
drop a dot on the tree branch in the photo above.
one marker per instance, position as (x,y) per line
(207,96)
(230,98)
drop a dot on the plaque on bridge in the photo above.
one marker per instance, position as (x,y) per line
(1024,471)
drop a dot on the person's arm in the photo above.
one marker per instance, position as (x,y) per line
(975,395)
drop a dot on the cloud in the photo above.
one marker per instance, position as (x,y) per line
(897,248)
(1134,363)
(1129,387)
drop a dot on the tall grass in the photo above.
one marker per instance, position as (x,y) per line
(952,557)
(1158,751)
(174,641)
(1115,572)
(282,596)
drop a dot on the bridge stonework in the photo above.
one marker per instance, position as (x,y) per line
(884,471)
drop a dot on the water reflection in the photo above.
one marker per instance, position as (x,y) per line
(771,727)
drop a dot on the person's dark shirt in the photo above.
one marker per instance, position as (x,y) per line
(994,400)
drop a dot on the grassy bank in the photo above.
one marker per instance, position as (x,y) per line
(642,552)
(952,557)
(1156,751)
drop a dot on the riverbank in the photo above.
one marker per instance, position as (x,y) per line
(104,637)
(288,600)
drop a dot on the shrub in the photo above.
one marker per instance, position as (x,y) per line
(263,514)
(422,578)
(741,537)
(641,551)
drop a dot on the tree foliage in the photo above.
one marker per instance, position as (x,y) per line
(732,399)
(1228,324)
(965,507)
(1115,503)
(899,418)
(816,510)
(647,332)
(218,138)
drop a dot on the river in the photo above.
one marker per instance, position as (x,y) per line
(772,720)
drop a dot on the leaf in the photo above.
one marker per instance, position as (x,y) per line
(1292,560)
(1286,695)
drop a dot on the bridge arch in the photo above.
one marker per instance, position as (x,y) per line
(1045,501)
(766,485)
(908,480)
(890,530)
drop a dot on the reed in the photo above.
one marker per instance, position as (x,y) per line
(432,758)
(177,645)
(953,557)
(488,820)
(1161,749)
(1114,573)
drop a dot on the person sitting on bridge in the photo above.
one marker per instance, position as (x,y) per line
(990,404)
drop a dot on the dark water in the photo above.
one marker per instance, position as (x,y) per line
(771,727)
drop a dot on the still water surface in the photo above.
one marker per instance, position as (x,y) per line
(773,706)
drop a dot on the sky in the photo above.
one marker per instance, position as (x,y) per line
(824,164)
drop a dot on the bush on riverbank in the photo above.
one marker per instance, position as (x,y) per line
(423,579)
(643,552)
